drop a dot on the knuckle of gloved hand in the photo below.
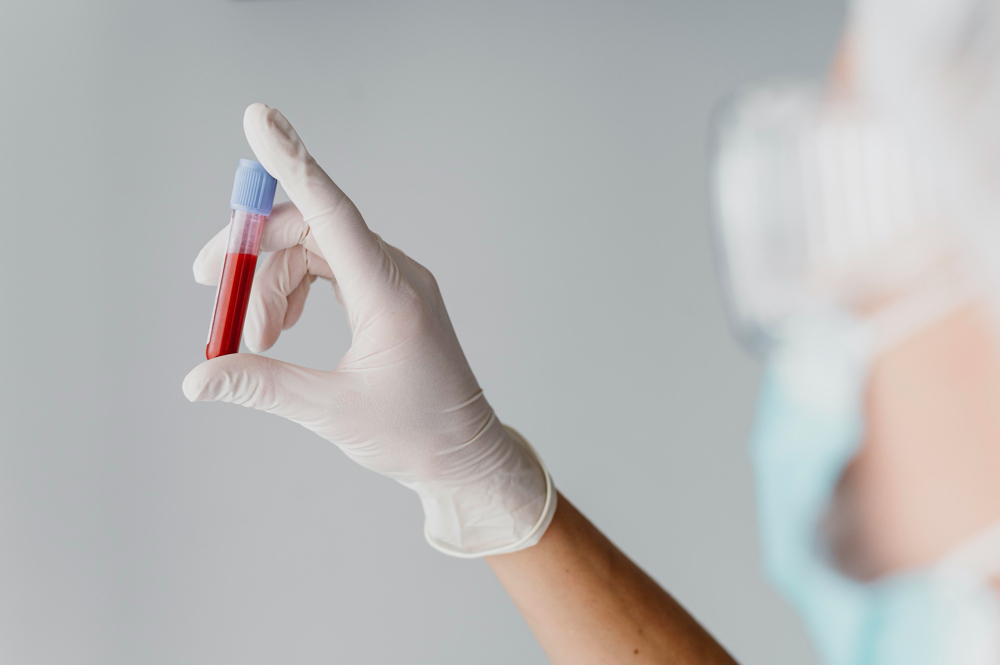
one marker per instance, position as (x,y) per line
(427,278)
(416,312)
(432,295)
(420,278)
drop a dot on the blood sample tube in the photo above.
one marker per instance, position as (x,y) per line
(253,196)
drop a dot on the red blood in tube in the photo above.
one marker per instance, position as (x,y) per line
(231,305)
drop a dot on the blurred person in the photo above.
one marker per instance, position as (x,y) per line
(866,289)
(857,228)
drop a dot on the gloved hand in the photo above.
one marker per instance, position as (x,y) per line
(402,401)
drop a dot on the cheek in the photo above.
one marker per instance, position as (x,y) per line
(925,480)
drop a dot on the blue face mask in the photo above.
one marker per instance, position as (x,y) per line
(808,427)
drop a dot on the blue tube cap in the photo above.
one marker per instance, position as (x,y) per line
(254,188)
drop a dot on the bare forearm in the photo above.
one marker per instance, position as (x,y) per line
(587,602)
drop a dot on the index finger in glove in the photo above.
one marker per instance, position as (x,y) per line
(344,239)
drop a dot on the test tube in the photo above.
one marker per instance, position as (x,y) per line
(253,196)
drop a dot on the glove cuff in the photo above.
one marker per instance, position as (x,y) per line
(514,508)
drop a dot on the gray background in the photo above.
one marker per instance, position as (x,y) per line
(545,159)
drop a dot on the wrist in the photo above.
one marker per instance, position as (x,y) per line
(505,507)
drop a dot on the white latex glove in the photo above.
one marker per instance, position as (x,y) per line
(402,401)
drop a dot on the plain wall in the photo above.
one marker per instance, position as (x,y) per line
(546,160)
